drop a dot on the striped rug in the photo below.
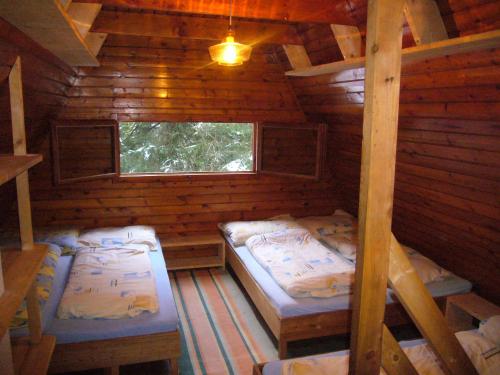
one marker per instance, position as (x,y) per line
(220,332)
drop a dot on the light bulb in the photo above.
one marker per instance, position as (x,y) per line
(230,55)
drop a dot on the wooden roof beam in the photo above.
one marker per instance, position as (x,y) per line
(193,27)
(348,39)
(83,16)
(425,21)
(321,11)
(297,56)
(465,44)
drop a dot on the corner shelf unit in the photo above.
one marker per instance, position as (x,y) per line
(19,267)
(13,165)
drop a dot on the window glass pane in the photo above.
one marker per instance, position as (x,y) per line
(173,147)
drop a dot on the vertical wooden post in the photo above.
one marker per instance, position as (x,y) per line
(19,139)
(382,79)
(23,192)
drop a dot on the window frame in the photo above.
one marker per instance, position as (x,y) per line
(155,176)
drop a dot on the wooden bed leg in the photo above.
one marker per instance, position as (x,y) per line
(113,370)
(174,366)
(282,348)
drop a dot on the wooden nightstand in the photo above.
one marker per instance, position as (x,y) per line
(462,309)
(195,252)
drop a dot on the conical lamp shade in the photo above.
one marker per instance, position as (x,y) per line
(230,53)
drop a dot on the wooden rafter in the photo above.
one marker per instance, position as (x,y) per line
(465,44)
(327,11)
(425,21)
(193,27)
(297,56)
(348,39)
(382,79)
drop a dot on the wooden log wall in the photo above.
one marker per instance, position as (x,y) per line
(447,193)
(46,81)
(154,79)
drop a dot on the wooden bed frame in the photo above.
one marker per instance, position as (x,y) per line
(110,354)
(113,353)
(305,326)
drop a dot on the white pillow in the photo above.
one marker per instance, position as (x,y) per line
(240,231)
(339,212)
(490,328)
(327,225)
(478,348)
(426,268)
(345,243)
(105,237)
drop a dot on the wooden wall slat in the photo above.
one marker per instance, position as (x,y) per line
(447,193)
(153,79)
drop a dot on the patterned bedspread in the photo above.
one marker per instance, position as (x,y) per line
(110,282)
(301,265)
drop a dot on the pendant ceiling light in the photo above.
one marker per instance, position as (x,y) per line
(230,53)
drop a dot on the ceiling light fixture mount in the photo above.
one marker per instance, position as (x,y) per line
(229,52)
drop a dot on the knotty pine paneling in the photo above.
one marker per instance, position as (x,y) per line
(447,193)
(143,78)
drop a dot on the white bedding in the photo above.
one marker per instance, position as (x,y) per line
(134,234)
(301,265)
(422,357)
(110,282)
(240,231)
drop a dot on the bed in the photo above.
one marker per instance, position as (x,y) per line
(108,343)
(291,319)
(421,356)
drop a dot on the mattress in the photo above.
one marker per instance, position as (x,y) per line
(274,367)
(81,330)
(287,306)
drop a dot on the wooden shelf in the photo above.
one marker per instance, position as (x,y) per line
(13,165)
(462,309)
(465,44)
(179,263)
(48,23)
(189,263)
(20,268)
(210,239)
(32,359)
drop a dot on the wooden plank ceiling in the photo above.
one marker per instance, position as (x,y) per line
(321,11)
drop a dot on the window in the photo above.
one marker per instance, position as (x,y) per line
(186,147)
